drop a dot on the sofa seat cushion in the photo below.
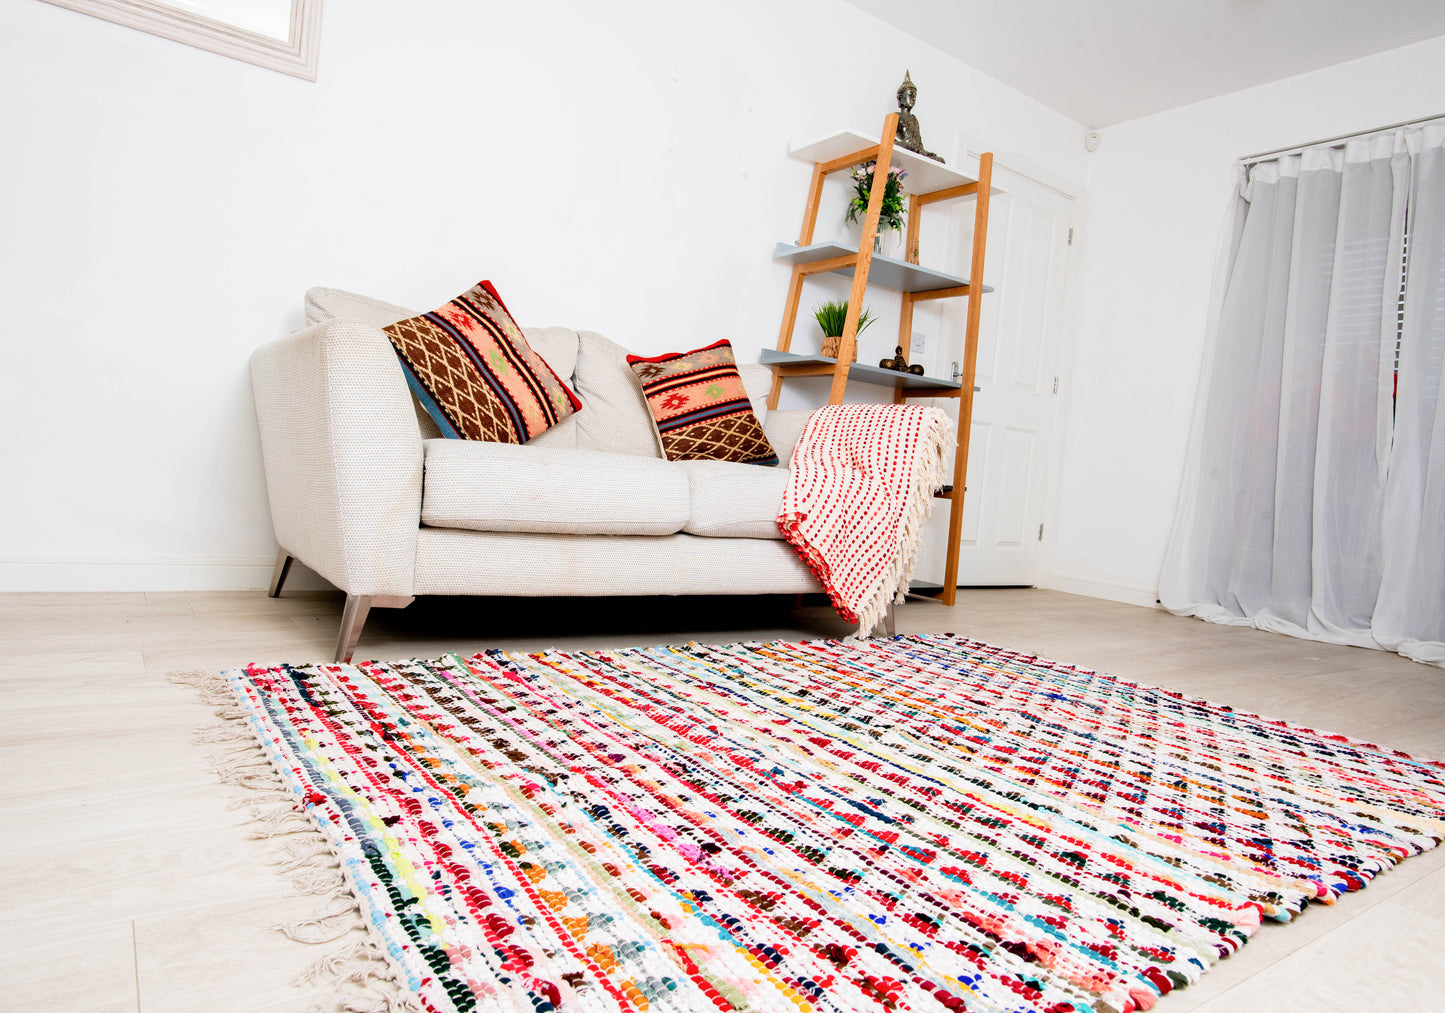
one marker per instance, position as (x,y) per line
(558,490)
(732,500)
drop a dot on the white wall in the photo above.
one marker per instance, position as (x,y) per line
(1156,196)
(620,167)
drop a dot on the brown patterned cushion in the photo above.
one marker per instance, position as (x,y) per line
(700,408)
(471,368)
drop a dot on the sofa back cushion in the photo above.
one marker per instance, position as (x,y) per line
(557,345)
(615,416)
(323,304)
(784,428)
(758,382)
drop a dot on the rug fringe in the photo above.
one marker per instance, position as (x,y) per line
(355,965)
(358,976)
(324,928)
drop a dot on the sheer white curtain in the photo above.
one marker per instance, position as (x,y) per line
(1301,510)
(1410,613)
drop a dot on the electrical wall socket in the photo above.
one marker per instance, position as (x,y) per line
(918,345)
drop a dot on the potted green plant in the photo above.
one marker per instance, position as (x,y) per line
(831,317)
(890,215)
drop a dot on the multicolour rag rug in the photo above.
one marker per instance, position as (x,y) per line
(921,823)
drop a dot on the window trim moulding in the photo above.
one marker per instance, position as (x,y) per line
(296,56)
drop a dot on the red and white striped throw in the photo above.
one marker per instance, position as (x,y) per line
(859,495)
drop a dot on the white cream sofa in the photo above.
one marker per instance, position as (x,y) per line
(364,492)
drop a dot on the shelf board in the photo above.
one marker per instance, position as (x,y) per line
(859,371)
(925,175)
(885,271)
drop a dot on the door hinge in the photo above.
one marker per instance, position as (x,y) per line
(1041,532)
(1056,385)
(1071,237)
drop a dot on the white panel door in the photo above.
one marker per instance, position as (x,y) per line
(1020,343)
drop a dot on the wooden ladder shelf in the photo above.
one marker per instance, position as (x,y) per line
(915,284)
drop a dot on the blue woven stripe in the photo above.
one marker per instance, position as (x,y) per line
(428,402)
(736,407)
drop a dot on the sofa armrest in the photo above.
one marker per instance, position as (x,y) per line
(343,455)
(783,428)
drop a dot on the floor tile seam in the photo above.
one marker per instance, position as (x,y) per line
(135,965)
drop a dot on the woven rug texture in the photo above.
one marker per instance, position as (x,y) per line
(921,823)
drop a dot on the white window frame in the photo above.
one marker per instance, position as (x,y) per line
(296,56)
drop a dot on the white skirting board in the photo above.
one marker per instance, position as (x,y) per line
(157,573)
(1130,594)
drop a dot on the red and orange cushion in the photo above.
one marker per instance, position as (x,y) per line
(471,368)
(700,408)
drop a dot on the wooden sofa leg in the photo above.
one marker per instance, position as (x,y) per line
(353,618)
(278,575)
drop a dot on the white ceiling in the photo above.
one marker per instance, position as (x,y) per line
(1107,61)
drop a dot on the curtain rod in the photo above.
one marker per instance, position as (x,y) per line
(1296,148)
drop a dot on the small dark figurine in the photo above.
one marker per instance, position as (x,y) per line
(909,136)
(899,364)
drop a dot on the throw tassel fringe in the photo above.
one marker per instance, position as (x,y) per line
(359,978)
(929,474)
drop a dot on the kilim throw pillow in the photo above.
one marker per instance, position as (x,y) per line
(471,368)
(700,408)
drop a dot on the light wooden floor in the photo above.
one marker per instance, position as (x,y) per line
(128,883)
